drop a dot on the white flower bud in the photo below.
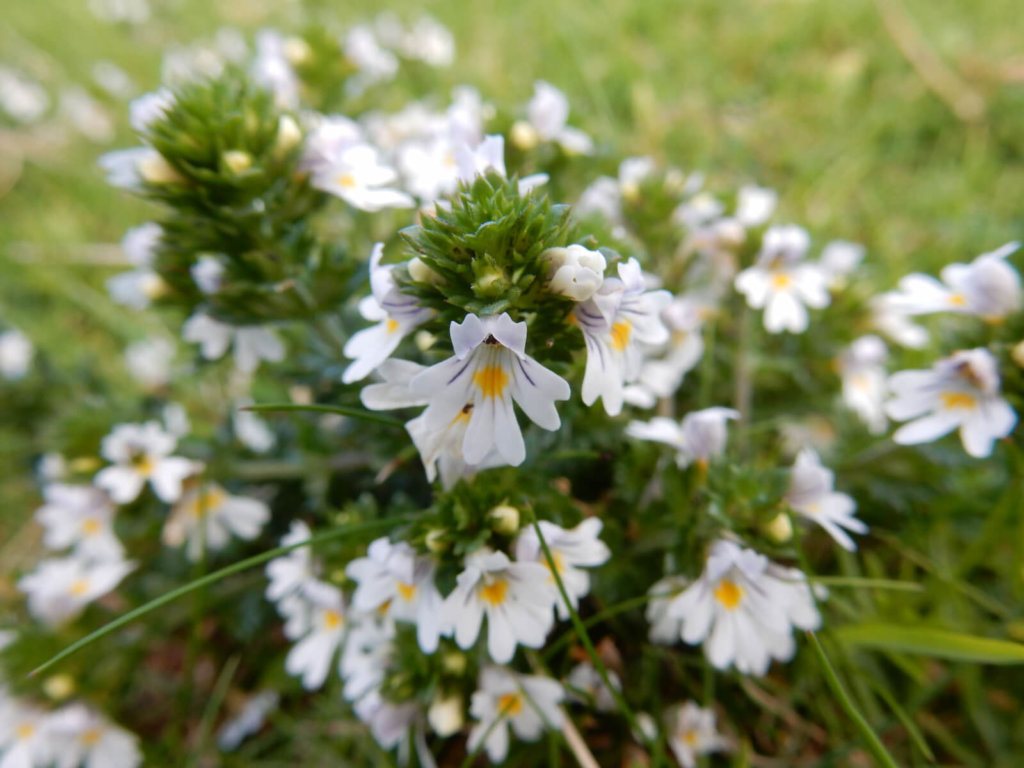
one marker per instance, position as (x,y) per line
(524,136)
(156,170)
(237,161)
(575,272)
(421,273)
(447,715)
(505,519)
(288,135)
(435,541)
(59,687)
(297,51)
(780,529)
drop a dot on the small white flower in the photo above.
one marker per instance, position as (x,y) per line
(862,367)
(489,370)
(206,517)
(112,79)
(16,352)
(429,167)
(25,738)
(355,174)
(988,287)
(699,437)
(527,703)
(271,69)
(781,282)
(208,273)
(755,205)
(373,62)
(149,361)
(516,598)
(293,572)
(839,259)
(398,314)
(141,453)
(548,113)
(59,589)
(617,322)
(133,168)
(571,550)
(311,657)
(585,685)
(252,431)
(665,627)
(743,608)
(79,516)
(84,737)
(810,494)
(148,108)
(473,161)
(22,98)
(394,578)
(248,721)
(429,41)
(252,343)
(692,732)
(368,653)
(86,115)
(137,288)
(574,272)
(390,724)
(960,391)
(889,318)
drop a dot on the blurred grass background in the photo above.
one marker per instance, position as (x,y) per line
(896,123)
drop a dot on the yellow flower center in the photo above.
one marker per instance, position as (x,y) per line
(620,334)
(332,619)
(347,180)
(510,704)
(91,737)
(728,594)
(559,564)
(957,300)
(951,400)
(91,526)
(25,731)
(208,501)
(690,737)
(781,281)
(79,588)
(143,464)
(407,591)
(492,380)
(494,593)
(392,325)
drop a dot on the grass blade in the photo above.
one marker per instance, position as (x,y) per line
(212,578)
(340,410)
(926,641)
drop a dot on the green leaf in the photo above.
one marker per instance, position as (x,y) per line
(355,413)
(927,641)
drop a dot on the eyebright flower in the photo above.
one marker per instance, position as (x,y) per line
(83,737)
(692,732)
(393,578)
(839,258)
(960,391)
(368,653)
(16,353)
(353,171)
(621,317)
(516,598)
(743,609)
(862,367)
(527,703)
(570,549)
(548,113)
(490,370)
(665,627)
(59,589)
(207,516)
(149,361)
(141,453)
(574,272)
(79,516)
(698,438)
(398,314)
(25,738)
(988,287)
(810,494)
(291,573)
(252,343)
(888,316)
(311,657)
(248,721)
(781,281)
(137,288)
(585,685)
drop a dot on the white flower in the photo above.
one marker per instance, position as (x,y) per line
(665,627)
(699,437)
(25,739)
(398,314)
(368,653)
(692,732)
(208,273)
(251,430)
(392,577)
(472,160)
(23,99)
(133,168)
(16,353)
(570,549)
(148,108)
(86,115)
(311,657)
(84,737)
(810,494)
(79,516)
(390,724)
(137,288)
(585,685)
(356,175)
(781,281)
(292,573)
(489,370)
(429,167)
(960,391)
(149,361)
(621,317)
(988,287)
(515,597)
(373,62)
(862,367)
(207,516)
(248,721)
(429,41)
(59,589)
(755,205)
(889,318)
(548,113)
(141,453)
(112,79)
(839,258)
(528,703)
(574,272)
(743,608)
(272,70)
(252,343)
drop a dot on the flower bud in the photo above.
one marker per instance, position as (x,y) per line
(780,529)
(85,464)
(574,272)
(454,663)
(289,135)
(421,273)
(447,715)
(1017,354)
(435,541)
(237,161)
(297,51)
(524,136)
(59,687)
(154,169)
(504,519)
